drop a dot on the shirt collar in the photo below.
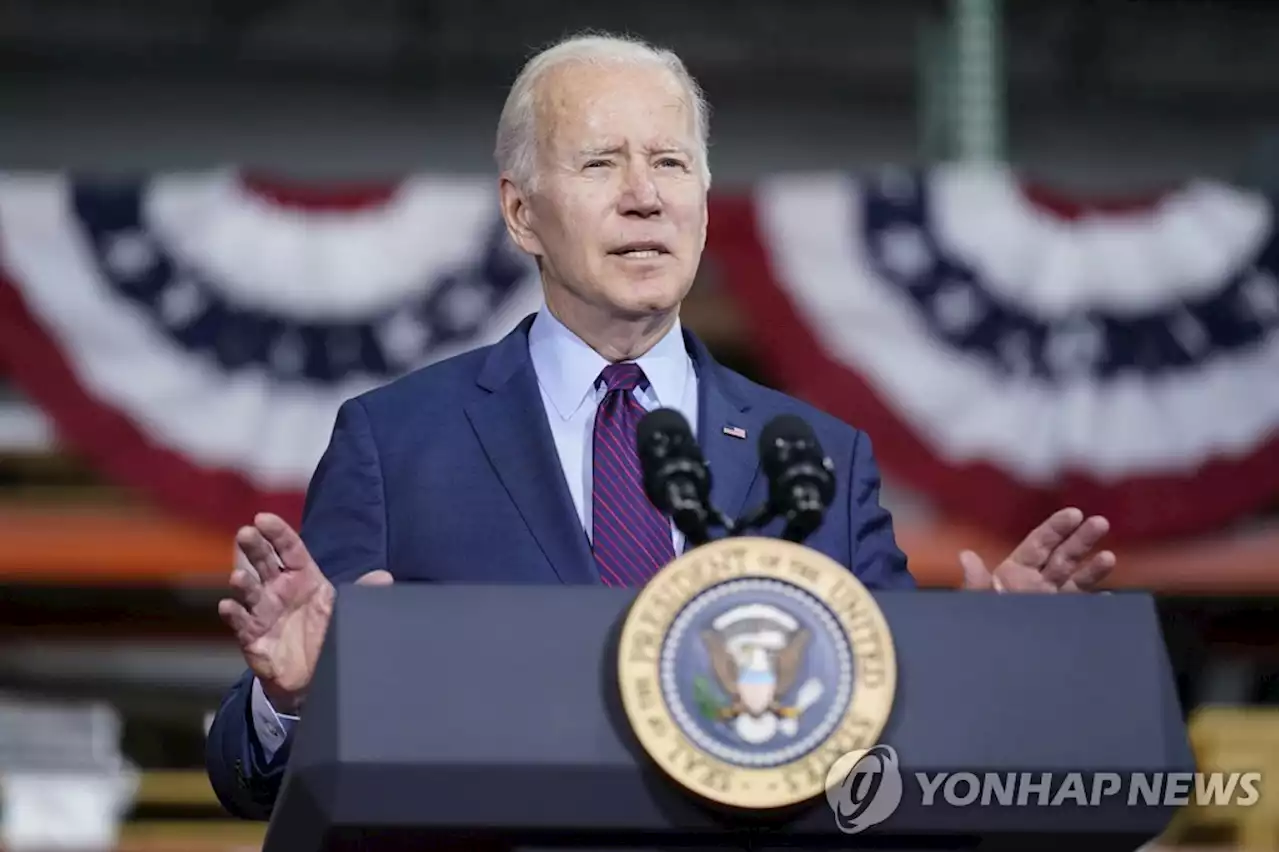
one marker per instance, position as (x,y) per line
(567,368)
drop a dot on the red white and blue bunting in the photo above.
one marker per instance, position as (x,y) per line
(194,334)
(1008,358)
(195,338)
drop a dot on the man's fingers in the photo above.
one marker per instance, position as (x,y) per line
(1017,578)
(246,587)
(1068,557)
(236,617)
(1007,578)
(376,578)
(287,543)
(1095,571)
(258,552)
(976,576)
(1038,546)
(1054,557)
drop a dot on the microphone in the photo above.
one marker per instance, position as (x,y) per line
(676,478)
(802,481)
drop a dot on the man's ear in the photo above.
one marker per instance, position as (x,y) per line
(518,216)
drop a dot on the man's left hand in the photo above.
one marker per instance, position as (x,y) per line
(1056,557)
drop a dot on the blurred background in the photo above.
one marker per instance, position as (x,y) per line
(1030,248)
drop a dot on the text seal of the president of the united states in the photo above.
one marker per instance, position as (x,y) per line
(748,666)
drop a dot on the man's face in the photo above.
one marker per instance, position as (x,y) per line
(618,215)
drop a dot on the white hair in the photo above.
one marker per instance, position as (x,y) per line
(516,150)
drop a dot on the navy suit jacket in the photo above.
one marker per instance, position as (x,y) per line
(450,474)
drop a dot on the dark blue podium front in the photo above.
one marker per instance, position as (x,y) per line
(488,716)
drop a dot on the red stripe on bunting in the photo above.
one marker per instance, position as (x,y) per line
(1220,492)
(115,445)
(1050,200)
(344,198)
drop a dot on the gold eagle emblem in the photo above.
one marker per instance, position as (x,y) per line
(756,653)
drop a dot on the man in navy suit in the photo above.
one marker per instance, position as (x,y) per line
(515,463)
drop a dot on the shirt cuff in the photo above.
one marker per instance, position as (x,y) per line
(271,727)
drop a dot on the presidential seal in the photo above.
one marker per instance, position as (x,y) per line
(748,666)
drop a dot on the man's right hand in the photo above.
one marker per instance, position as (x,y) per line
(280,607)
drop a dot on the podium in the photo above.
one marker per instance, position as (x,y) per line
(479,717)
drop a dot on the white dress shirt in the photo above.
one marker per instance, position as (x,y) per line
(567,370)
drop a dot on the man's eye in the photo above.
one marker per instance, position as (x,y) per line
(671,163)
(596,163)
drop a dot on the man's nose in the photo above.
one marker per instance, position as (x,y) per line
(640,194)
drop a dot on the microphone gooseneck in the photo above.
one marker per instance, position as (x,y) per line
(676,478)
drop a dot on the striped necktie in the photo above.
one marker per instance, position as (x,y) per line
(630,537)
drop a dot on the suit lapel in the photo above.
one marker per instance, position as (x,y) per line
(511,424)
(731,460)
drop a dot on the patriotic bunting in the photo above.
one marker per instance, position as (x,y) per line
(196,339)
(194,334)
(1008,361)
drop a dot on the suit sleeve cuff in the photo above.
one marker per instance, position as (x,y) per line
(271,727)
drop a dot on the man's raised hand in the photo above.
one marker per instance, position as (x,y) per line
(280,607)
(1056,556)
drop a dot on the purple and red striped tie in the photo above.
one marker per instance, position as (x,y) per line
(630,537)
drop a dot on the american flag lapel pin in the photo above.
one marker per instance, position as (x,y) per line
(735,432)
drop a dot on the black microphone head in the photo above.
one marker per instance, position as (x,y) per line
(668,450)
(787,439)
(790,450)
(661,429)
(784,431)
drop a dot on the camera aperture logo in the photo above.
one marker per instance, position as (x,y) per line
(865,787)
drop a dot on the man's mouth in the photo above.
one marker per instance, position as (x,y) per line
(641,251)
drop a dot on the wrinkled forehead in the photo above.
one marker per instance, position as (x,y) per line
(588,106)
